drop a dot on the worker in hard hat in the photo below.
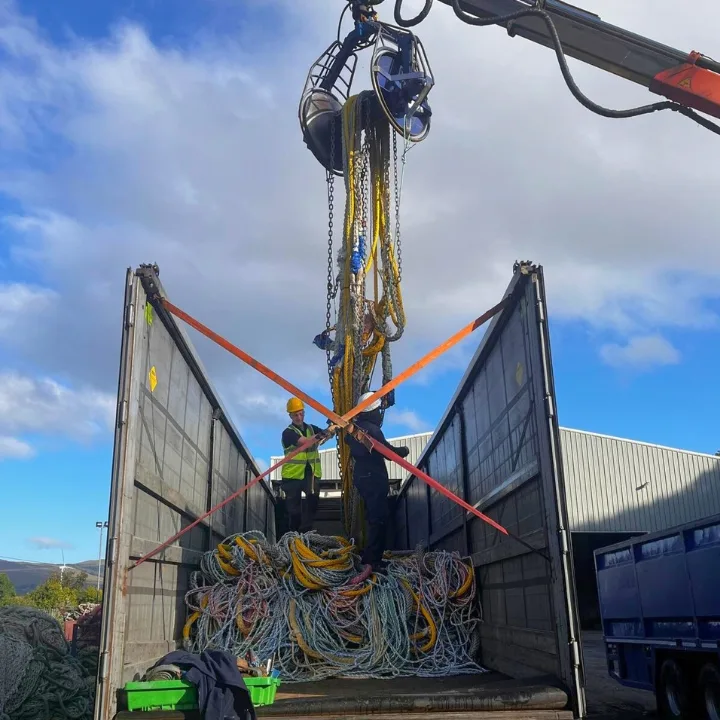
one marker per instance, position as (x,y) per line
(302,473)
(370,477)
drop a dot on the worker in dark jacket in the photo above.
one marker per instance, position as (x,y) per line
(370,477)
(302,473)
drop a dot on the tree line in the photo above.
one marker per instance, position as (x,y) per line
(59,594)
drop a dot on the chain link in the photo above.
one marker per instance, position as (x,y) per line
(330,176)
(396,183)
(364,183)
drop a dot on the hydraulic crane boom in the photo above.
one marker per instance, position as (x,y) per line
(401,75)
(691,79)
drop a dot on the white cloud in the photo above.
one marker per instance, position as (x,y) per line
(47,543)
(13,449)
(641,352)
(28,405)
(408,419)
(253,404)
(192,158)
(19,305)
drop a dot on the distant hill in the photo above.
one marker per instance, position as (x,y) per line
(26,576)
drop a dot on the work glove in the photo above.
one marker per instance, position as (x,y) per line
(403,451)
(328,433)
(322,340)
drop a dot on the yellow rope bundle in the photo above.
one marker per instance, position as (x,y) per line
(363,345)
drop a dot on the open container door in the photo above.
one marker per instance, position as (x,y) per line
(497,446)
(176,455)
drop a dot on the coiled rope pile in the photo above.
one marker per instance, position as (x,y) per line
(38,676)
(290,601)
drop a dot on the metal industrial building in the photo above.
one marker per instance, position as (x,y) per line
(616,488)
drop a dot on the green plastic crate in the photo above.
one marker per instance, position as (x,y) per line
(182,695)
(161,695)
(262,689)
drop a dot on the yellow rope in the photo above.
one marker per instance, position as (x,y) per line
(386,300)
(193,617)
(428,618)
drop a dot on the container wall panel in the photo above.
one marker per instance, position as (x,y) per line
(256,501)
(418,519)
(176,455)
(497,447)
(444,464)
(400,526)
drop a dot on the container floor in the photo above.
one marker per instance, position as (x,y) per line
(464,694)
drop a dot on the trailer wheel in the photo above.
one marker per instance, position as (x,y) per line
(710,691)
(673,697)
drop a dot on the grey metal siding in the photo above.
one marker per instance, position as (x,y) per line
(329,463)
(618,485)
(176,455)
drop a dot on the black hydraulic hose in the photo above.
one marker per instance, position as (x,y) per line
(570,82)
(417,19)
(342,15)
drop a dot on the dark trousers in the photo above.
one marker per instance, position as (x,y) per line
(301,519)
(373,489)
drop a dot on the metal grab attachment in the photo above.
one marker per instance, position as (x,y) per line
(400,75)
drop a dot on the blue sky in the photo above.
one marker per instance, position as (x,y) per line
(166,132)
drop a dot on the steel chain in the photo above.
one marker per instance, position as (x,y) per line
(331,204)
(361,285)
(397,206)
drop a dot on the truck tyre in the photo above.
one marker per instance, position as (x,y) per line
(710,691)
(672,693)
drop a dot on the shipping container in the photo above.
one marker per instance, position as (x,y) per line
(177,454)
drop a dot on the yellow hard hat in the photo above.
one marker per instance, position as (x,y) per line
(294,405)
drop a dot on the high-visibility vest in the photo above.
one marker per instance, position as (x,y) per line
(294,469)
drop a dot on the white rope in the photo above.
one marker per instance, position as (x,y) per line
(267,608)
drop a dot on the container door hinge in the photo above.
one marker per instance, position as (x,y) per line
(123,413)
(130,319)
(564,547)
(541,310)
(550,406)
(104,665)
(575,650)
(111,550)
